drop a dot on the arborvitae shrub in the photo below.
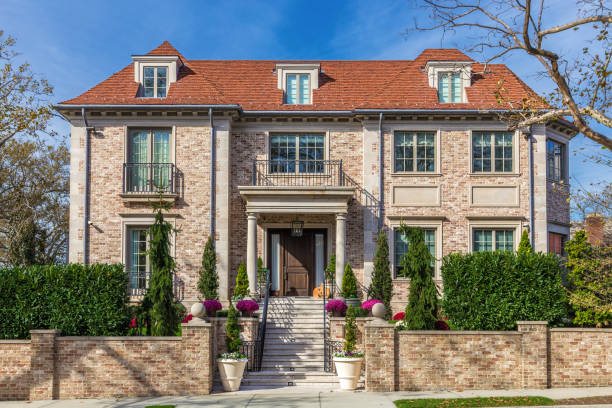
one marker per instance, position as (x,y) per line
(208,284)
(524,244)
(350,331)
(242,282)
(349,283)
(232,331)
(381,285)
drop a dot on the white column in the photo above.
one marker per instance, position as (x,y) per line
(340,247)
(252,252)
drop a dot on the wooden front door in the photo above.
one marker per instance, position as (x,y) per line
(296,261)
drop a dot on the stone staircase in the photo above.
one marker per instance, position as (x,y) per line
(293,350)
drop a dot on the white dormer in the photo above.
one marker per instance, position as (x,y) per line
(450,78)
(297,80)
(155,73)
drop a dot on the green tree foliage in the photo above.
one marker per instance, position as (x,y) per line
(232,331)
(494,290)
(165,311)
(208,284)
(241,290)
(524,244)
(422,309)
(330,270)
(589,281)
(80,300)
(381,285)
(349,283)
(350,331)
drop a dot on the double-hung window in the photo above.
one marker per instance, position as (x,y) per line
(149,166)
(555,160)
(492,152)
(414,152)
(137,260)
(298,89)
(297,153)
(450,89)
(400,248)
(492,240)
(155,82)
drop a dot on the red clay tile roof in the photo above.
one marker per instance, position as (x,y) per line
(343,85)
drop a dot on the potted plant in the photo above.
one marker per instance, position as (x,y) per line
(247,307)
(232,363)
(368,304)
(336,307)
(349,287)
(348,361)
(211,307)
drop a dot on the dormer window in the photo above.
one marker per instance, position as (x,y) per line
(449,87)
(155,82)
(298,80)
(298,89)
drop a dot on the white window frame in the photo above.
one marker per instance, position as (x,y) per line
(515,154)
(449,74)
(500,224)
(312,69)
(436,157)
(155,89)
(298,93)
(424,224)
(563,170)
(128,132)
(297,153)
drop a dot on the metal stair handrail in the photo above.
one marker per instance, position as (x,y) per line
(261,335)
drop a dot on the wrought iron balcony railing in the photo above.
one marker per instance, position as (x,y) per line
(149,178)
(139,284)
(301,173)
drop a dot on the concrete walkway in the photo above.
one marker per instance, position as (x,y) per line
(303,397)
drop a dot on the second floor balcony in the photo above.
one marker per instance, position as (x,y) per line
(298,173)
(148,179)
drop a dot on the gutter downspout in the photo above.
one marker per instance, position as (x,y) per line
(213,159)
(381,156)
(86,192)
(531,192)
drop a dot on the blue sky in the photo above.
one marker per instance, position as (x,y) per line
(76,44)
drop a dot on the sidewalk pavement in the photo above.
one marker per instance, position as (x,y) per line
(305,397)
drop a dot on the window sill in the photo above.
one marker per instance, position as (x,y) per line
(146,197)
(400,280)
(558,182)
(472,174)
(415,174)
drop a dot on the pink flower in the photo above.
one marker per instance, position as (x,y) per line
(335,305)
(399,316)
(188,318)
(133,323)
(247,305)
(212,305)
(368,304)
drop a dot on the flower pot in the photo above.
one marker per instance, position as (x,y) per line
(353,302)
(231,372)
(348,370)
(211,313)
(337,313)
(246,313)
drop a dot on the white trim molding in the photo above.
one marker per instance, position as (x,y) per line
(513,223)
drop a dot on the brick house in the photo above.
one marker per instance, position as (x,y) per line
(245,150)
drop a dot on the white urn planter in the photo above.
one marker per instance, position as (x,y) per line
(231,372)
(349,371)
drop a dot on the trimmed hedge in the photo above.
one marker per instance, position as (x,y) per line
(79,300)
(494,290)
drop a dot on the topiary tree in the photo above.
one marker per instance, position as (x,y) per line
(349,283)
(232,331)
(208,284)
(350,331)
(165,311)
(381,285)
(422,309)
(330,270)
(242,283)
(524,244)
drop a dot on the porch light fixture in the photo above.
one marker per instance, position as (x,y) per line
(297,228)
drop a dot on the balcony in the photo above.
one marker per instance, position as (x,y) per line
(298,173)
(139,285)
(146,180)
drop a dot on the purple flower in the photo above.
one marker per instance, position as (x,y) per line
(212,305)
(247,305)
(368,304)
(335,305)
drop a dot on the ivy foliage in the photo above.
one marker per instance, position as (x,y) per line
(208,284)
(494,290)
(79,300)
(349,283)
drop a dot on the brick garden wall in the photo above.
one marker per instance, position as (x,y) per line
(14,368)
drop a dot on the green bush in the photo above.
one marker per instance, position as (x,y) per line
(208,284)
(357,311)
(350,331)
(242,283)
(524,244)
(79,300)
(381,285)
(493,290)
(232,331)
(349,283)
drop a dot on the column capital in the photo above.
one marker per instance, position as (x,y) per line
(341,216)
(251,215)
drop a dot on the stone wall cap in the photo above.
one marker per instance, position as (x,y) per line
(532,322)
(581,329)
(46,331)
(459,332)
(379,323)
(203,323)
(14,341)
(120,338)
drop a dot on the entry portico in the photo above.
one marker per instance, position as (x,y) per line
(298,200)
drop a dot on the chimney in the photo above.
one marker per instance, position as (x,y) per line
(594,227)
